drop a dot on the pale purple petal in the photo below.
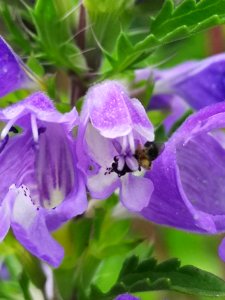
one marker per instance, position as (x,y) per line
(102,185)
(171,104)
(199,84)
(13,73)
(140,120)
(135,192)
(161,75)
(113,113)
(39,105)
(29,227)
(5,214)
(100,149)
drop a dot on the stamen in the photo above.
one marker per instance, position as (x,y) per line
(7,128)
(124,143)
(132,163)
(121,163)
(131,141)
(34,128)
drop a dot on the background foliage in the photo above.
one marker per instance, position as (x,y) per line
(105,253)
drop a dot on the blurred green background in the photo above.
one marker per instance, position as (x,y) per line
(26,32)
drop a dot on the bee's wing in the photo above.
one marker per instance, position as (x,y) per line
(160,147)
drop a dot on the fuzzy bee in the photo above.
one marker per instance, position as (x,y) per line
(145,155)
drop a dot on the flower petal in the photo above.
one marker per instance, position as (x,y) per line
(100,149)
(168,205)
(135,192)
(174,105)
(140,120)
(13,74)
(16,161)
(29,227)
(189,177)
(102,185)
(60,184)
(113,113)
(39,105)
(5,214)
(202,174)
(222,249)
(47,167)
(200,84)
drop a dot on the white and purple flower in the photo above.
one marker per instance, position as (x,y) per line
(112,128)
(41,186)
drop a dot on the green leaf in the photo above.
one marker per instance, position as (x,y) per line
(24,283)
(147,275)
(189,14)
(107,18)
(157,116)
(10,290)
(180,121)
(15,34)
(35,66)
(171,24)
(55,38)
(160,134)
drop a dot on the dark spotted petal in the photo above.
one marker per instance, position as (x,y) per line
(29,227)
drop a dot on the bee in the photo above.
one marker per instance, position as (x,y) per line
(145,155)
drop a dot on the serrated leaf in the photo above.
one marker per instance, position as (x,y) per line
(129,265)
(167,275)
(188,14)
(168,265)
(171,24)
(165,13)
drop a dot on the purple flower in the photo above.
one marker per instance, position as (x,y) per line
(4,272)
(126,297)
(39,166)
(112,128)
(13,73)
(194,84)
(189,176)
